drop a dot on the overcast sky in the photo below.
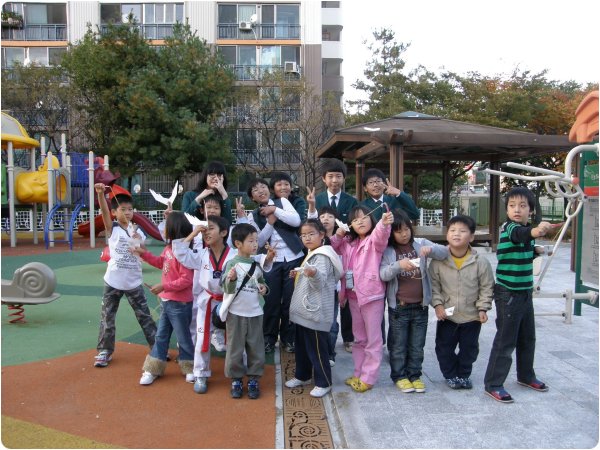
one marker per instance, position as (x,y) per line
(479,35)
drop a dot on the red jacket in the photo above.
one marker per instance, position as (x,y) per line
(176,279)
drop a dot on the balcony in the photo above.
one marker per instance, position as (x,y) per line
(266,157)
(35,33)
(148,31)
(244,72)
(259,31)
(249,115)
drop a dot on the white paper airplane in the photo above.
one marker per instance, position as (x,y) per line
(165,201)
(415,262)
(342,225)
(372,129)
(195,221)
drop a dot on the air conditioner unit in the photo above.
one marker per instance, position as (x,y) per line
(246,26)
(290,67)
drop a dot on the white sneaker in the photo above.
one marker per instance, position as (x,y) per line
(319,391)
(331,363)
(218,340)
(190,378)
(147,378)
(295,382)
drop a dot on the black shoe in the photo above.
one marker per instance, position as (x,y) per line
(237,388)
(290,348)
(466,383)
(253,389)
(269,348)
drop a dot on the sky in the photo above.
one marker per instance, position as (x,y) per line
(490,37)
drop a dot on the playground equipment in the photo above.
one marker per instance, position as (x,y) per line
(32,284)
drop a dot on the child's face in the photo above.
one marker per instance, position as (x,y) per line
(260,194)
(328,221)
(402,235)
(375,187)
(459,236)
(517,209)
(282,189)
(123,213)
(249,246)
(214,179)
(334,181)
(212,208)
(311,237)
(213,235)
(361,224)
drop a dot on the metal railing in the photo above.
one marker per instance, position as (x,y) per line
(54,32)
(245,72)
(266,157)
(241,114)
(259,31)
(148,31)
(433,217)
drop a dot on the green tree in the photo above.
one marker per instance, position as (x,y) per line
(148,106)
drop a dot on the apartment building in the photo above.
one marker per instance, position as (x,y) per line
(302,39)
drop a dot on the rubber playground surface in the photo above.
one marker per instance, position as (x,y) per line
(53,397)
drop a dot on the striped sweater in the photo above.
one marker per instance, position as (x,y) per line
(515,256)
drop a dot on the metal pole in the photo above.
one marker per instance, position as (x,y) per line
(91,199)
(34,215)
(10,169)
(50,197)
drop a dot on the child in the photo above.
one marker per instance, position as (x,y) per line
(515,322)
(243,314)
(312,309)
(362,252)
(378,190)
(175,291)
(408,295)
(123,275)
(281,186)
(463,281)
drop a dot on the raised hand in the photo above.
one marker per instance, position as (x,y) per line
(99,188)
(391,190)
(240,208)
(310,199)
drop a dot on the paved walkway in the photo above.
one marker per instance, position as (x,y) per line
(564,417)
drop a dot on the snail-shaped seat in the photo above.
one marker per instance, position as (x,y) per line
(32,284)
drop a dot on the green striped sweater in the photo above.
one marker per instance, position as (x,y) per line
(515,257)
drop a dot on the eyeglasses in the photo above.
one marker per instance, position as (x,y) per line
(374,182)
(256,189)
(308,235)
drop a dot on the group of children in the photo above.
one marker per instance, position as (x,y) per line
(356,255)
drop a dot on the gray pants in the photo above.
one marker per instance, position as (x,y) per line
(244,333)
(110,304)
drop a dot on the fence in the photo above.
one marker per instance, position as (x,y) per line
(432,217)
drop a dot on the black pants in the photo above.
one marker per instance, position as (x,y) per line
(312,356)
(515,329)
(466,337)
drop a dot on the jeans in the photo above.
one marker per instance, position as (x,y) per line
(515,329)
(174,316)
(408,330)
(450,334)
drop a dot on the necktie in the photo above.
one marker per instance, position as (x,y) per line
(333,203)
(378,202)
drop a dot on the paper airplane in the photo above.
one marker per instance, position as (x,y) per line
(195,221)
(342,225)
(415,262)
(165,201)
(372,129)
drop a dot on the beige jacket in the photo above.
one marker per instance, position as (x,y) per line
(469,289)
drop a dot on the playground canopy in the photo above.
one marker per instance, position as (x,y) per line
(13,131)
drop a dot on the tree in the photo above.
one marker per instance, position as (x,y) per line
(148,105)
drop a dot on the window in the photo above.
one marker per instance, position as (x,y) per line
(11,55)
(45,56)
(330,4)
(228,52)
(246,139)
(39,55)
(290,53)
(168,13)
(55,55)
(228,14)
(290,139)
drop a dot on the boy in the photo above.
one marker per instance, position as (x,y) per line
(465,281)
(379,191)
(515,322)
(242,312)
(123,275)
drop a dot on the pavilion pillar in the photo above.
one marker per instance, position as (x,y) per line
(415,186)
(359,168)
(494,205)
(445,192)
(397,165)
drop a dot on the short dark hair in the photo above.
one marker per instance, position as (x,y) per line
(177,226)
(372,173)
(254,183)
(211,167)
(328,210)
(400,218)
(465,220)
(315,223)
(333,165)
(352,215)
(241,231)
(521,191)
(119,199)
(279,176)
(222,224)
(213,198)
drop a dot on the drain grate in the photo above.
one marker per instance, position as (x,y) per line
(304,419)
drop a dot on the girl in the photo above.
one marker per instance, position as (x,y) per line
(408,295)
(175,291)
(362,251)
(281,186)
(213,180)
(311,308)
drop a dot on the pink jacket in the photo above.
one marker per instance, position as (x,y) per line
(176,279)
(365,255)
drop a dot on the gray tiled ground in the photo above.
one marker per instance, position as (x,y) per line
(564,417)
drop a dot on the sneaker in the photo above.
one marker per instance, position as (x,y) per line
(350,381)
(237,388)
(295,382)
(147,378)
(466,383)
(218,341)
(190,378)
(102,359)
(500,395)
(290,348)
(361,386)
(405,385)
(453,383)
(536,385)
(269,348)
(348,346)
(253,389)
(331,362)
(319,391)
(418,385)
(200,386)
